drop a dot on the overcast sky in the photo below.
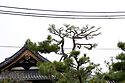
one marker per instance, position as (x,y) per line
(14,30)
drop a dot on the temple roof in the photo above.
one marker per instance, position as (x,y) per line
(22,66)
(23,75)
(12,60)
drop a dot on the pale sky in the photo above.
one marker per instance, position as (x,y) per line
(16,29)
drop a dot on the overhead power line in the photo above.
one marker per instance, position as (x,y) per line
(58,10)
(10,46)
(65,16)
(61,14)
(69,16)
(64,48)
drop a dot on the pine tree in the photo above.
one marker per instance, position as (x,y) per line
(117,71)
(72,68)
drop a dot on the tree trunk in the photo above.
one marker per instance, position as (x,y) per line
(80,79)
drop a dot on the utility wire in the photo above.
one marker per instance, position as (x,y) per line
(57,10)
(10,46)
(64,48)
(63,16)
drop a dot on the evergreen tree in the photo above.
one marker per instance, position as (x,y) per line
(117,69)
(46,46)
(72,68)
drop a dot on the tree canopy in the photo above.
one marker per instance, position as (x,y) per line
(117,69)
(72,67)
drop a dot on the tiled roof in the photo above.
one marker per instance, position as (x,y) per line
(23,75)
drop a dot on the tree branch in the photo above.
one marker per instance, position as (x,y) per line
(88,46)
(84,34)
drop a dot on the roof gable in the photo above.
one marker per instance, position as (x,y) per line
(25,55)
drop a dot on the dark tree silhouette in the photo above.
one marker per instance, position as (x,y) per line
(74,33)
